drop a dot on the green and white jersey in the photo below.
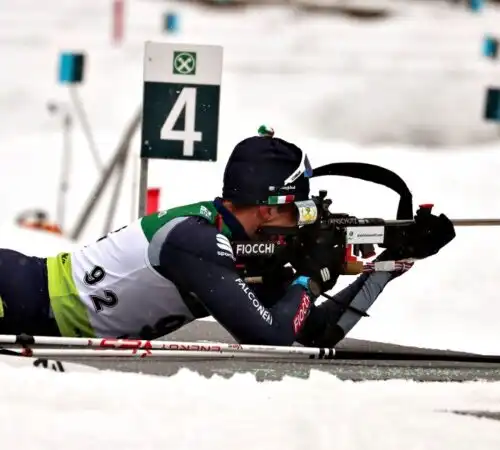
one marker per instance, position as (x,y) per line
(112,288)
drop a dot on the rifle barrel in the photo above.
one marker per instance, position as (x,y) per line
(456,222)
(476,222)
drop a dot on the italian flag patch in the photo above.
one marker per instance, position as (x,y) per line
(281,199)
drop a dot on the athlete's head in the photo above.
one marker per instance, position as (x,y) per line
(263,178)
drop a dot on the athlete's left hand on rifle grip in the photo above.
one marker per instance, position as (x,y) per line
(431,233)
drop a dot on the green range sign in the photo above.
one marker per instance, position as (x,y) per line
(181,100)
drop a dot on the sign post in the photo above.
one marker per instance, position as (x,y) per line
(180,109)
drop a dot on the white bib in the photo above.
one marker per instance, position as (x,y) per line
(123,294)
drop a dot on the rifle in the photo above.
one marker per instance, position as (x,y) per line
(361,234)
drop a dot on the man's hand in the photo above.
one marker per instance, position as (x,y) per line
(425,238)
(320,258)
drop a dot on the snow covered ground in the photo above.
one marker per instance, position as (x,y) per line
(416,81)
(46,410)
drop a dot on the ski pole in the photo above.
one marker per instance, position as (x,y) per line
(339,355)
(166,349)
(156,354)
(28,342)
(127,353)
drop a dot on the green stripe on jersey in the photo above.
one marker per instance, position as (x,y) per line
(152,223)
(69,311)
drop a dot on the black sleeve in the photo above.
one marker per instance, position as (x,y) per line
(200,260)
(329,322)
(273,288)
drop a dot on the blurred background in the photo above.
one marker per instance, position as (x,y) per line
(410,73)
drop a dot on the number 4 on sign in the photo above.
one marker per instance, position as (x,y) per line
(187,100)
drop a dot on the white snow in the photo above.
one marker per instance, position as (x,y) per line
(34,242)
(405,93)
(46,410)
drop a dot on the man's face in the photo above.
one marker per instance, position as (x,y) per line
(280,216)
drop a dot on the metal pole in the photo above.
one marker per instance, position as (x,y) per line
(65,169)
(86,126)
(97,192)
(120,168)
(133,203)
(476,222)
(62,346)
(456,222)
(382,222)
(96,195)
(143,186)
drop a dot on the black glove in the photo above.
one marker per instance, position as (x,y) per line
(320,257)
(271,285)
(278,277)
(425,238)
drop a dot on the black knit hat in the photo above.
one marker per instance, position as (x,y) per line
(258,168)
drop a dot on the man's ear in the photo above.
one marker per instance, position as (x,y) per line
(265,212)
